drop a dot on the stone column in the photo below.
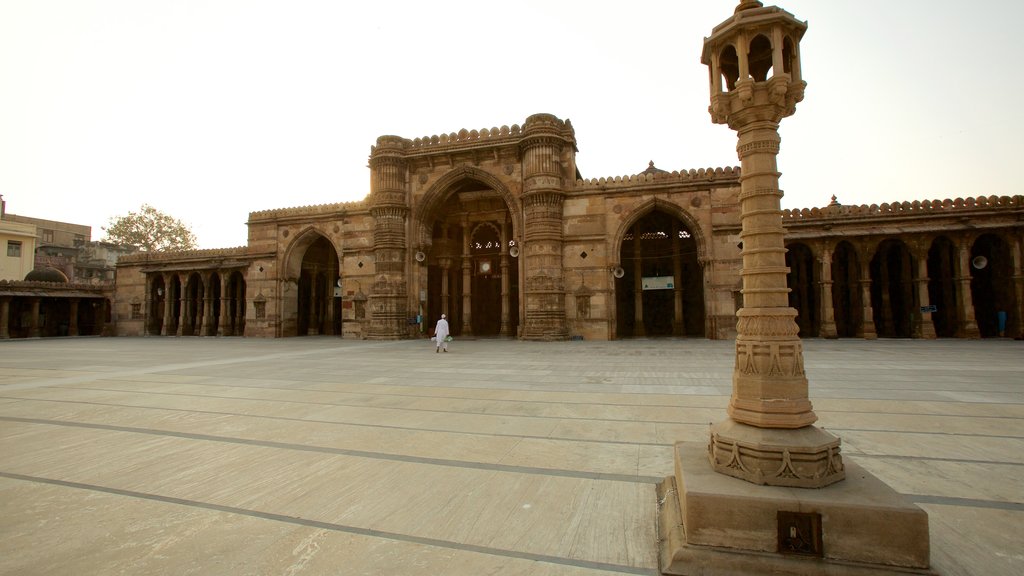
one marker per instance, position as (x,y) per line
(867,326)
(505,281)
(33,320)
(73,320)
(678,321)
(5,317)
(828,313)
(183,305)
(165,327)
(638,288)
(224,323)
(968,325)
(467,279)
(1018,284)
(546,140)
(240,305)
(924,327)
(388,206)
(446,264)
(770,389)
(207,321)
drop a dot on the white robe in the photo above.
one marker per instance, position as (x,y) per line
(441,330)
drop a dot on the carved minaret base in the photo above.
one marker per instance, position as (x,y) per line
(769,493)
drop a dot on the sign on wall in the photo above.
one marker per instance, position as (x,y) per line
(658,282)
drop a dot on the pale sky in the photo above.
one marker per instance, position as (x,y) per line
(211,109)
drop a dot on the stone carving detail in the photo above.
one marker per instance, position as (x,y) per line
(767,326)
(777,465)
(759,146)
(773,359)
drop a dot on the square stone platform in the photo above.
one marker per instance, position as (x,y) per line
(316,455)
(712,524)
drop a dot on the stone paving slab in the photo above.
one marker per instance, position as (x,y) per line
(325,456)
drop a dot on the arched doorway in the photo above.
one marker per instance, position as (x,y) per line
(660,289)
(992,287)
(846,292)
(472,275)
(892,289)
(803,295)
(311,273)
(942,289)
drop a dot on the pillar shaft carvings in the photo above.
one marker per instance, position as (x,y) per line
(388,306)
(769,384)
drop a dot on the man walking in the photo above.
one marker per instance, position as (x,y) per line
(441,334)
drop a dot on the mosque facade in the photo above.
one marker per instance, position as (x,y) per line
(497,229)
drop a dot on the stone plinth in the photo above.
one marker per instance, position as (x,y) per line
(710,524)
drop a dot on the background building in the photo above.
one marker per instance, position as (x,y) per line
(53,280)
(497,229)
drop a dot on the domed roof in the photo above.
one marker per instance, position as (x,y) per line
(46,275)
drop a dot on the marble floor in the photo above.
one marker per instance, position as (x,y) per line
(318,455)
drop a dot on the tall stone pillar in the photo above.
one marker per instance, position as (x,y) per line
(546,144)
(968,324)
(506,284)
(924,327)
(207,309)
(769,384)
(828,312)
(1017,254)
(467,279)
(445,264)
(678,319)
(165,327)
(33,320)
(639,329)
(183,305)
(388,206)
(867,325)
(5,317)
(73,317)
(711,523)
(224,322)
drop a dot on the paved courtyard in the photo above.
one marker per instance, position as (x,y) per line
(323,456)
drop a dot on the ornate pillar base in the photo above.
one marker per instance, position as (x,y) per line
(806,457)
(712,525)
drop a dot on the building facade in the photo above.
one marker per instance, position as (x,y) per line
(497,229)
(53,280)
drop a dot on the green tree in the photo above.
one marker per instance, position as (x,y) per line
(151,230)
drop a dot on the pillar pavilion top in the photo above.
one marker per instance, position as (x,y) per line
(754,61)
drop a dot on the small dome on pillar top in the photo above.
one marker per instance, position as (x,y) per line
(748,4)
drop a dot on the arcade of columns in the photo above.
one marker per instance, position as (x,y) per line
(189,301)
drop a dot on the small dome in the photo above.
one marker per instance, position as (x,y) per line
(46,275)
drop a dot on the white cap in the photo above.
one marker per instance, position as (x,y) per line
(442,316)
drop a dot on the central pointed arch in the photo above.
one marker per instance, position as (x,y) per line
(466,224)
(426,209)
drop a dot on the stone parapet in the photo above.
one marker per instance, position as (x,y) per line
(915,208)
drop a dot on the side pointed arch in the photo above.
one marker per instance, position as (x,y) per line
(291,259)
